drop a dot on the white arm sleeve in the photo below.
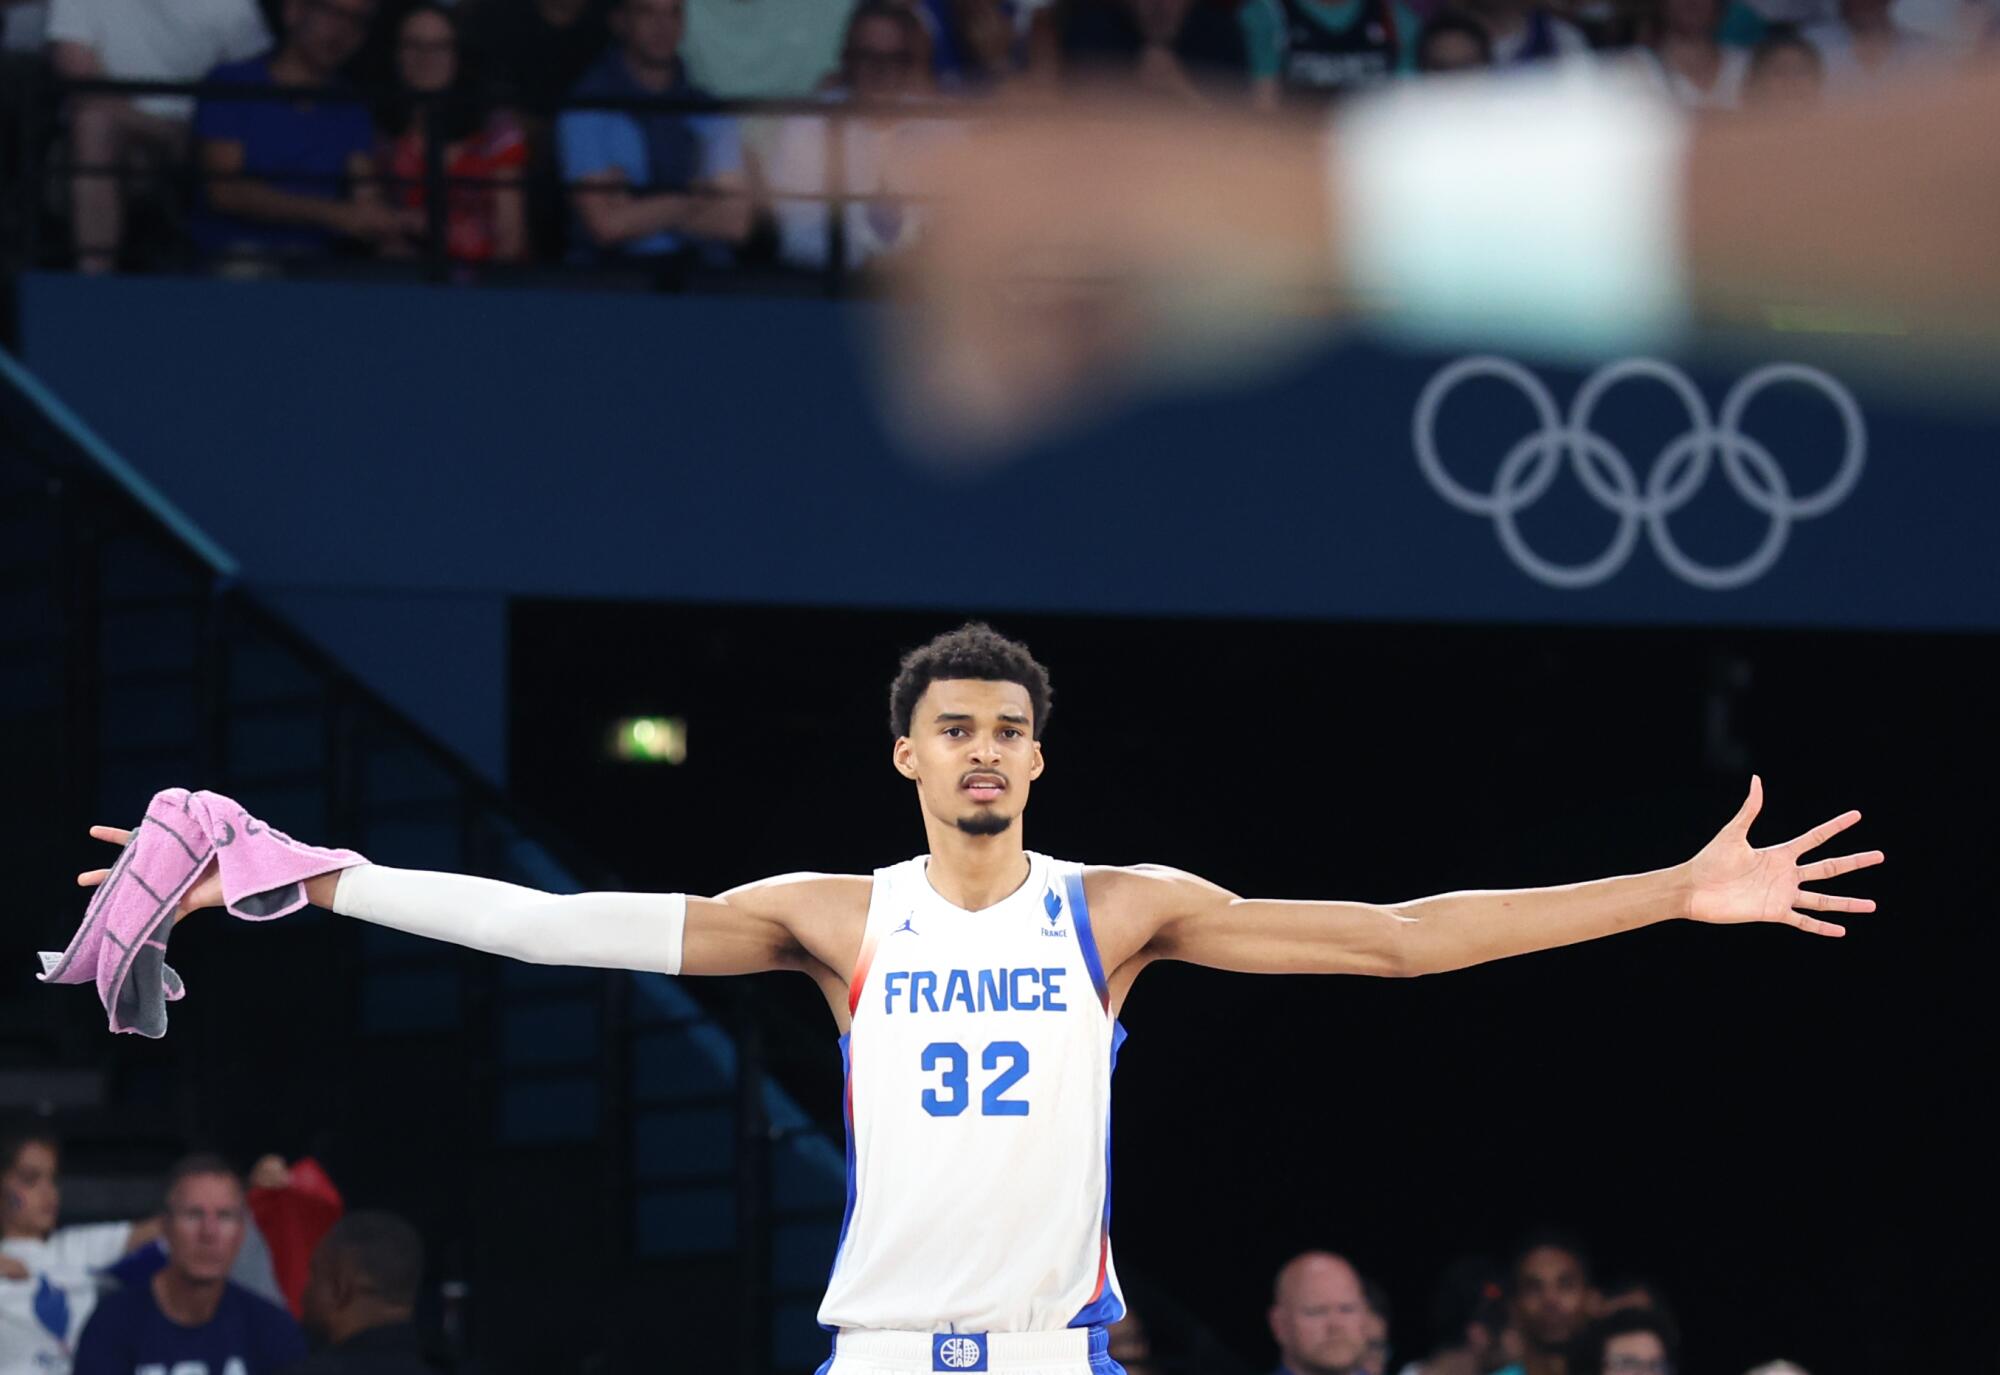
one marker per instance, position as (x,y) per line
(1541,209)
(591,930)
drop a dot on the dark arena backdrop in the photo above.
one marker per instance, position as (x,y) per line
(390,563)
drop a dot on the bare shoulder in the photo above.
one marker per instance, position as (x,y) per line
(1130,905)
(802,897)
(821,917)
(1159,889)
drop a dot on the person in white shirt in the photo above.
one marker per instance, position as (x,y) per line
(135,40)
(1688,56)
(852,157)
(48,1274)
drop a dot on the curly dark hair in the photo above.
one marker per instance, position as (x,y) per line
(1550,1238)
(1586,1354)
(20,1133)
(974,650)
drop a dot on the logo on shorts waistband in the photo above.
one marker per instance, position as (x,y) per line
(958,1351)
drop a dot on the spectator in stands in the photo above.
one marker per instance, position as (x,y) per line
(1468,1313)
(1776,1368)
(361,1299)
(1629,1342)
(1686,54)
(1866,46)
(113,137)
(1451,42)
(978,45)
(23,30)
(288,177)
(436,95)
(48,1274)
(1131,1346)
(1785,72)
(770,50)
(535,51)
(1548,1299)
(1189,51)
(881,66)
(1524,31)
(1375,1328)
(1319,1317)
(190,1318)
(646,184)
(1307,51)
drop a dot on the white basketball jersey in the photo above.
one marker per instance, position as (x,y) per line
(978,1113)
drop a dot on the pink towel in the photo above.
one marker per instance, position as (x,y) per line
(122,944)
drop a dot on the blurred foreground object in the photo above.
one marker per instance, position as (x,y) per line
(1077,252)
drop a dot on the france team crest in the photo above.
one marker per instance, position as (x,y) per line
(958,1351)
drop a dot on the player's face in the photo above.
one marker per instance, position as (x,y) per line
(1322,1322)
(204,1226)
(32,1195)
(1550,1298)
(972,753)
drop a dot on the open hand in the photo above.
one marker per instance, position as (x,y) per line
(205,891)
(1734,883)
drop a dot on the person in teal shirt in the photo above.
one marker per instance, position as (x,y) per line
(1314,51)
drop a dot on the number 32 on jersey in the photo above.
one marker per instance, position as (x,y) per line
(953,1094)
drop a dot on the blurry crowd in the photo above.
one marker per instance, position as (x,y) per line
(273,1273)
(1541,1312)
(233,1276)
(606,133)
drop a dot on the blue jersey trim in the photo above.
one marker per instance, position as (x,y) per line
(1109,1306)
(847,1121)
(1079,914)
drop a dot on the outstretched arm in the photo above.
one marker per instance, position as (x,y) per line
(1727,882)
(747,930)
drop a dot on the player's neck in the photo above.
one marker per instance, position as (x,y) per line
(974,872)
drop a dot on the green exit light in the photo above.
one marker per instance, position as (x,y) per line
(650,740)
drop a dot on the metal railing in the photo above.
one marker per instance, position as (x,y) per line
(39,105)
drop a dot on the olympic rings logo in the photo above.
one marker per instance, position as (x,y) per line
(1677,474)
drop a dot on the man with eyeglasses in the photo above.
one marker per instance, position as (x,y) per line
(1629,1342)
(817,164)
(190,1318)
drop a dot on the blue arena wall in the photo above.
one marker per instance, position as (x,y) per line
(391,463)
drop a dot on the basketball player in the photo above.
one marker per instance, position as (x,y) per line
(1570,213)
(977,987)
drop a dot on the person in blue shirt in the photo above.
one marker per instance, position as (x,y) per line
(647,184)
(286,177)
(190,1318)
